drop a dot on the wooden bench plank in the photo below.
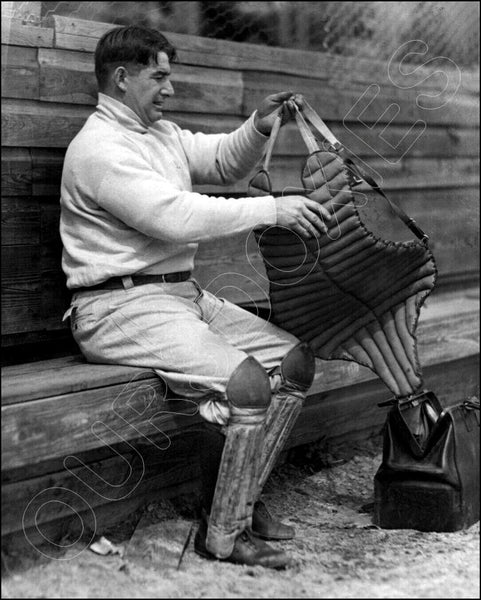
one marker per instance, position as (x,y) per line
(80,421)
(33,502)
(333,416)
(38,495)
(31,381)
(39,430)
(349,413)
(111,472)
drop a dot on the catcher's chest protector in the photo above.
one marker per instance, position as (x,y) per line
(349,294)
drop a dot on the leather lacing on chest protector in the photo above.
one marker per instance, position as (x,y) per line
(349,294)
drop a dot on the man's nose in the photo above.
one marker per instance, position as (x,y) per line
(167,89)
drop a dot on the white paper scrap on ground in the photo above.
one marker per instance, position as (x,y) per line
(103,546)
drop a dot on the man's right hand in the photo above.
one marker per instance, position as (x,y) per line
(301,215)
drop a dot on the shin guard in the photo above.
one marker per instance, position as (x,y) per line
(297,372)
(248,392)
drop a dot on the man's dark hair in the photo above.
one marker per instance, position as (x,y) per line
(129,45)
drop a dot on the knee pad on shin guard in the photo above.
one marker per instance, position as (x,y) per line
(248,393)
(297,368)
(248,386)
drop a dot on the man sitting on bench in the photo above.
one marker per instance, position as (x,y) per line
(130,226)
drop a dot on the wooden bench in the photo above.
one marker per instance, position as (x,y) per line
(80,437)
(73,432)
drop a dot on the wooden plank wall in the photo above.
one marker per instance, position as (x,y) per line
(49,89)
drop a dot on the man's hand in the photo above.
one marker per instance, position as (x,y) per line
(270,107)
(301,215)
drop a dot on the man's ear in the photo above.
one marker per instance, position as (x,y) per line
(120,75)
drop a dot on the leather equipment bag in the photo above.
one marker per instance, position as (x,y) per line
(431,482)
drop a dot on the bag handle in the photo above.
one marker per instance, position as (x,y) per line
(418,447)
(357,171)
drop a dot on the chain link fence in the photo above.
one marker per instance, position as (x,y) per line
(357,29)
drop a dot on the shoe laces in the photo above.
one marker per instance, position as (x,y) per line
(247,537)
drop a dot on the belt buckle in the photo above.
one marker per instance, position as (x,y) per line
(127,282)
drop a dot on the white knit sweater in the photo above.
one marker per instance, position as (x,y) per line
(127,204)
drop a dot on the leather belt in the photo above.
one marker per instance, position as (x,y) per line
(129,281)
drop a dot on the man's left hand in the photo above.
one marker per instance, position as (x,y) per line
(269,109)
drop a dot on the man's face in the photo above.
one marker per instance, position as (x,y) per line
(148,88)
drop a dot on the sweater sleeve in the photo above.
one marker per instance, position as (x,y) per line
(223,158)
(132,191)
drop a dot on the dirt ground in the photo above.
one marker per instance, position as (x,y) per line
(339,553)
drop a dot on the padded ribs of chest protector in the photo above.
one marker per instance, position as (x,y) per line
(349,294)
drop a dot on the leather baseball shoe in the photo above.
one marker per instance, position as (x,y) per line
(266,527)
(248,550)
